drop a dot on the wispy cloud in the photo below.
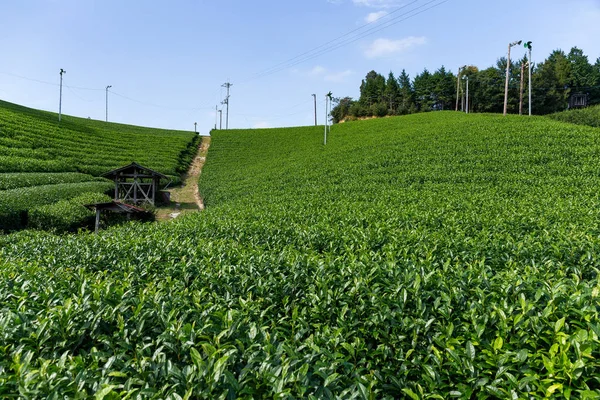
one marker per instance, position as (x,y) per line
(386,47)
(338,76)
(374,16)
(318,70)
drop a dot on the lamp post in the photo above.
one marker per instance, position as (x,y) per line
(108,87)
(315,98)
(62,71)
(529,47)
(508,74)
(467,98)
(458,85)
(328,98)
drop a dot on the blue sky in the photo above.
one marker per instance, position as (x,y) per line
(166,61)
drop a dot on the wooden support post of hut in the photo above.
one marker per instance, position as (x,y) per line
(135,184)
(116,207)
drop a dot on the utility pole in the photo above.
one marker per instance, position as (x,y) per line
(467,98)
(327,111)
(227,85)
(529,47)
(220,119)
(325,137)
(508,74)
(315,100)
(195,127)
(458,85)
(521,89)
(62,71)
(108,87)
(216,111)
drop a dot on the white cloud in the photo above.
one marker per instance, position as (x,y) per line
(385,47)
(318,70)
(377,3)
(374,16)
(338,76)
(327,75)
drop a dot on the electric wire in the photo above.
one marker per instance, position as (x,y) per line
(337,38)
(393,21)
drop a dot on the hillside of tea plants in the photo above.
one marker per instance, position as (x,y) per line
(431,256)
(43,162)
(586,116)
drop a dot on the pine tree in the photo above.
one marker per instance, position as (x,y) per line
(392,93)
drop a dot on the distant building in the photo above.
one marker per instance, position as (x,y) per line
(578,100)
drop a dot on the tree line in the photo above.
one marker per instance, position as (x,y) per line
(554,81)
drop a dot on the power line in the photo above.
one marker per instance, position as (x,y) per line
(70,87)
(337,38)
(326,48)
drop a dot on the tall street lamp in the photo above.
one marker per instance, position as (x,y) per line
(62,71)
(108,87)
(508,74)
(529,47)
(315,98)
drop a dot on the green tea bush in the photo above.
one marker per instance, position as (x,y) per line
(437,255)
(586,116)
(66,215)
(26,179)
(15,201)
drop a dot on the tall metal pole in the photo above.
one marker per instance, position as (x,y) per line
(227,85)
(315,97)
(108,87)
(195,127)
(220,119)
(216,111)
(521,89)
(467,109)
(530,80)
(325,137)
(62,71)
(458,85)
(508,75)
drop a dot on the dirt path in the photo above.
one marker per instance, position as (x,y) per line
(186,198)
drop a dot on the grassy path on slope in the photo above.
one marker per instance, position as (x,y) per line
(186,198)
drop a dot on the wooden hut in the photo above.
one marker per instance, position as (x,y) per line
(578,100)
(135,184)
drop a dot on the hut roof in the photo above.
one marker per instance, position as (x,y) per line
(131,168)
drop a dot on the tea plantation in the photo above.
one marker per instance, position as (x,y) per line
(43,162)
(586,116)
(436,255)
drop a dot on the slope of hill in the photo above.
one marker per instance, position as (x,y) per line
(430,256)
(39,155)
(586,116)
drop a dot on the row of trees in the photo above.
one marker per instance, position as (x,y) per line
(553,82)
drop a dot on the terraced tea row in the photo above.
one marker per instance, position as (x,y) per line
(36,150)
